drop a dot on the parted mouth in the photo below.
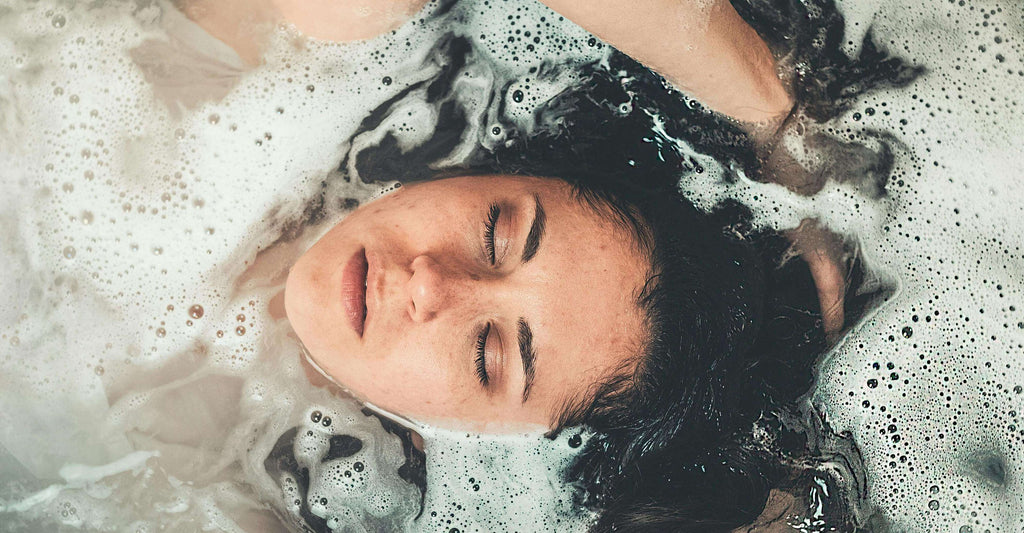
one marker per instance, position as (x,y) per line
(353,291)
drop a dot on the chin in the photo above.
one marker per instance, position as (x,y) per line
(290,297)
(300,304)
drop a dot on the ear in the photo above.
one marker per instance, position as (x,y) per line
(821,250)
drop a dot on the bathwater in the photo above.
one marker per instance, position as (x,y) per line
(156,188)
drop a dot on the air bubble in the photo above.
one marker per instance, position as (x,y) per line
(240,330)
(69,252)
(58,21)
(196,311)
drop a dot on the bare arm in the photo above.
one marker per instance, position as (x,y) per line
(701,46)
(706,49)
(245,24)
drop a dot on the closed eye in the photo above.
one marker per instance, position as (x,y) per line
(481,355)
(492,222)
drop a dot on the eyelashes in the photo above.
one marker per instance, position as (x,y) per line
(492,221)
(490,249)
(481,359)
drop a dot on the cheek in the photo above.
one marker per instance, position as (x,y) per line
(303,305)
(411,379)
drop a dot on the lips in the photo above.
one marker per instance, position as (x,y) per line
(353,291)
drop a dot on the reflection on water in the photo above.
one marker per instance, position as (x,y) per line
(145,386)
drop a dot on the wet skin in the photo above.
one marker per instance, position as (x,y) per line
(489,301)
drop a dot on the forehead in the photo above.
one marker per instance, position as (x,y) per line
(584,286)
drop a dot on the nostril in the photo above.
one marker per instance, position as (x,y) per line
(990,467)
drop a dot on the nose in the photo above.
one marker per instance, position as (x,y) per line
(428,287)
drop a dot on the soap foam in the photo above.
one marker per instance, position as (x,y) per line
(143,178)
(128,205)
(929,384)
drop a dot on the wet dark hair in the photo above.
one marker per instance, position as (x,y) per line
(669,453)
(732,332)
(696,434)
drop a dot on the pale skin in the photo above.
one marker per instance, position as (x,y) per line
(433,293)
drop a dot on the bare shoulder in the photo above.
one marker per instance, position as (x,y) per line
(351,20)
(245,24)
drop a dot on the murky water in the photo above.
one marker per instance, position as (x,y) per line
(145,387)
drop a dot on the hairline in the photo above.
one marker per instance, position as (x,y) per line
(621,378)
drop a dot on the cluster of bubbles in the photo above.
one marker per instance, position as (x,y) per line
(930,384)
(146,168)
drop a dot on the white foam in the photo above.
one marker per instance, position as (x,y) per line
(126,204)
(144,171)
(929,385)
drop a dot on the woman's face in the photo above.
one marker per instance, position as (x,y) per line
(486,302)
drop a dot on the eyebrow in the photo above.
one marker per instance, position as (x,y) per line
(528,355)
(536,231)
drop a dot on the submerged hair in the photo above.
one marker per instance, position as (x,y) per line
(692,434)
